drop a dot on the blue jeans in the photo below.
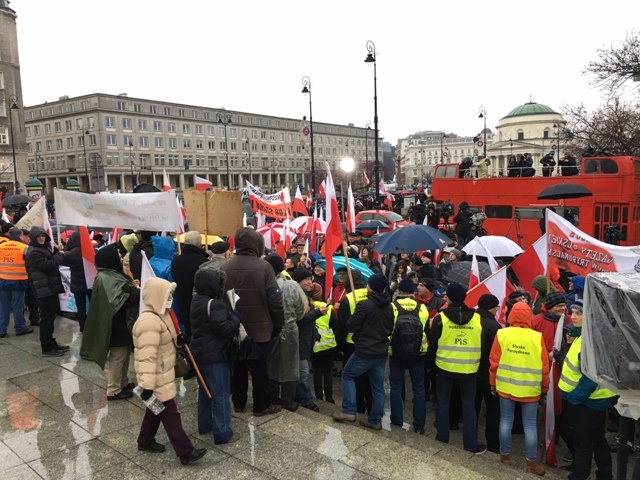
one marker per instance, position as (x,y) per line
(304,384)
(12,300)
(468,398)
(355,367)
(215,413)
(529,412)
(396,382)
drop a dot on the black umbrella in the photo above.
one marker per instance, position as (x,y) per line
(371,226)
(564,190)
(459,272)
(146,188)
(411,239)
(16,200)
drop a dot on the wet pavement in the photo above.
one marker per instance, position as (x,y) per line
(56,423)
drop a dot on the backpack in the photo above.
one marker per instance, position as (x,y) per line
(406,339)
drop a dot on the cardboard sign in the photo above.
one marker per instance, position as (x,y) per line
(215,212)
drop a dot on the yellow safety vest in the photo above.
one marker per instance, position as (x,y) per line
(361,294)
(327,337)
(460,346)
(520,369)
(571,373)
(12,265)
(409,304)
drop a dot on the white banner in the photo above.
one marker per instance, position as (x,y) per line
(34,217)
(138,211)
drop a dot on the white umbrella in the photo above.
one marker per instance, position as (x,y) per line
(496,245)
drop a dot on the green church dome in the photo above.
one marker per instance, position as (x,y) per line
(531,108)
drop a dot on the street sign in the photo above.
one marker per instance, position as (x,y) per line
(305,131)
(445,154)
(475,151)
(480,143)
(554,147)
(302,144)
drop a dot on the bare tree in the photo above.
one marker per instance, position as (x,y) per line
(614,125)
(616,65)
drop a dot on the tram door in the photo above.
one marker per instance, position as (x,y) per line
(606,214)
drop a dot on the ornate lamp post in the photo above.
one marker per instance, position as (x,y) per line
(442,135)
(306,89)
(367,125)
(483,115)
(371,58)
(14,106)
(226,120)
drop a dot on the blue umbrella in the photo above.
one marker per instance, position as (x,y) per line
(411,239)
(353,264)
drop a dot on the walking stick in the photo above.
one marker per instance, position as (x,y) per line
(195,366)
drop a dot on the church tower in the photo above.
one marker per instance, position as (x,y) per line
(13,145)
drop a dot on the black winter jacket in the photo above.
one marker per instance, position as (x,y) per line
(490,328)
(42,266)
(462,220)
(183,271)
(307,333)
(135,257)
(73,259)
(210,332)
(371,325)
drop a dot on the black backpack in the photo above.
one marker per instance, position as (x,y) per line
(406,338)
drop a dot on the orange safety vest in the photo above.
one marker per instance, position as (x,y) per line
(12,265)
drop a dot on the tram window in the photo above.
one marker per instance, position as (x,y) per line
(476,209)
(625,214)
(615,214)
(605,217)
(591,166)
(529,213)
(499,211)
(446,172)
(596,231)
(608,166)
(596,214)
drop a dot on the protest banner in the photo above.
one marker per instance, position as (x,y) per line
(571,249)
(270,205)
(149,211)
(214,212)
(35,216)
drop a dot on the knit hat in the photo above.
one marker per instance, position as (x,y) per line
(456,293)
(429,283)
(578,282)
(378,282)
(456,252)
(427,254)
(219,248)
(15,234)
(406,285)
(488,301)
(276,262)
(516,294)
(299,274)
(5,228)
(577,305)
(554,299)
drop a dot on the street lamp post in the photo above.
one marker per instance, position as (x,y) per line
(371,58)
(442,135)
(14,106)
(226,120)
(367,126)
(557,127)
(306,88)
(85,132)
(131,165)
(483,115)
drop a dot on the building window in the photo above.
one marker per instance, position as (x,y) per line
(91,122)
(207,115)
(158,160)
(171,127)
(144,141)
(181,112)
(157,126)
(137,107)
(158,142)
(194,114)
(92,140)
(142,124)
(78,124)
(234,146)
(121,106)
(167,110)
(68,125)
(128,139)
(83,105)
(212,145)
(198,129)
(110,122)
(199,145)
(520,135)
(47,129)
(111,140)
(211,131)
(153,109)
(186,143)
(126,124)
(173,143)
(186,128)
(233,133)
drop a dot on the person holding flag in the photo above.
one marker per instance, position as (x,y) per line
(79,287)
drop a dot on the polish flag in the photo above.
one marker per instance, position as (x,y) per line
(182,217)
(298,203)
(351,211)
(530,264)
(314,235)
(496,284)
(334,237)
(492,261)
(309,198)
(474,275)
(114,236)
(366,179)
(166,185)
(88,256)
(45,222)
(388,201)
(322,189)
(203,184)
(381,189)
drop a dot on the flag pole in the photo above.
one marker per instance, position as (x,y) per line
(346,261)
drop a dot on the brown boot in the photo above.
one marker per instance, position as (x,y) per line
(535,468)
(505,458)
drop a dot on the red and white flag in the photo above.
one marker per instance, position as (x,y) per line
(351,211)
(114,236)
(334,237)
(166,184)
(202,183)
(314,235)
(531,263)
(298,203)
(182,217)
(474,275)
(388,201)
(497,284)
(554,405)
(309,197)
(322,189)
(366,179)
(493,265)
(88,256)
(381,189)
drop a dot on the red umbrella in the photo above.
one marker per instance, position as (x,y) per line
(273,232)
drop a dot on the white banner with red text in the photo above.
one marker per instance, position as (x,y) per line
(276,205)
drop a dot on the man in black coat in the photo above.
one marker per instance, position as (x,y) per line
(463,223)
(42,264)
(548,163)
(73,260)
(135,256)
(183,271)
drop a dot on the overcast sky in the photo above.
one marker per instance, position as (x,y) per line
(438,62)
